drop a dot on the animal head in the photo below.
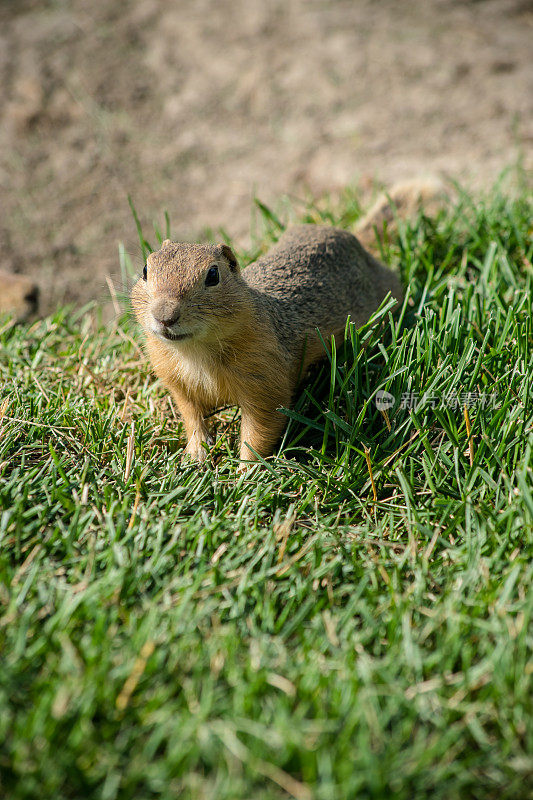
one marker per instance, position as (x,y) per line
(19,296)
(189,292)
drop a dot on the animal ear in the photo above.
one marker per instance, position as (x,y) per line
(228,253)
(164,244)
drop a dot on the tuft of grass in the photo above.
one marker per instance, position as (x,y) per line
(351,619)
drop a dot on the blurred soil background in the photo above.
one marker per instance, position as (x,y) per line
(194,106)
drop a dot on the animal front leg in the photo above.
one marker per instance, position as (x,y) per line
(260,432)
(196,430)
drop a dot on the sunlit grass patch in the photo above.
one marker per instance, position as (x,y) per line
(351,620)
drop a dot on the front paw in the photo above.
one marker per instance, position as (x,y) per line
(198,449)
(196,452)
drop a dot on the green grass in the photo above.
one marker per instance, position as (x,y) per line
(173,631)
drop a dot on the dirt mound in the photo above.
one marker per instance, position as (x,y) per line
(193,106)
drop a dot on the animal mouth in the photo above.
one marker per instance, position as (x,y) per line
(175,337)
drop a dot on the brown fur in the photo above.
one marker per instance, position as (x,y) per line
(229,360)
(19,296)
(250,338)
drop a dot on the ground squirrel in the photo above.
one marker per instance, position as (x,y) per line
(218,336)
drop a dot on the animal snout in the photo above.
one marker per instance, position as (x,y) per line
(166,312)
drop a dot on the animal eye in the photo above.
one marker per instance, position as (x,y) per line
(212,277)
(145,272)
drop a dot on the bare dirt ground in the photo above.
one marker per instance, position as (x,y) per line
(194,105)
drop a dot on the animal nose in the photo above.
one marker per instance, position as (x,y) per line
(166,312)
(168,321)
